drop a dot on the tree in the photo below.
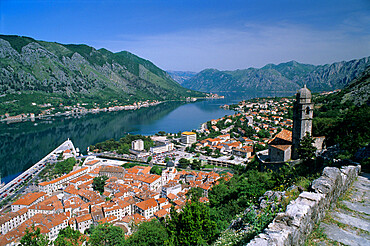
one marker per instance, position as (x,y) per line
(195,193)
(167,159)
(99,183)
(192,226)
(196,164)
(263,133)
(149,233)
(149,159)
(161,133)
(208,150)
(184,163)
(69,237)
(306,149)
(156,170)
(34,238)
(65,166)
(60,156)
(107,235)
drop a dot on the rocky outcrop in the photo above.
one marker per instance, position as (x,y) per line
(294,225)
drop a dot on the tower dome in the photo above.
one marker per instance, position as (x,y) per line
(170,164)
(304,95)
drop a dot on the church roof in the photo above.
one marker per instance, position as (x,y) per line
(283,137)
(281,147)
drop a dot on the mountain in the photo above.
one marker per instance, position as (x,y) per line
(181,76)
(288,76)
(357,93)
(80,72)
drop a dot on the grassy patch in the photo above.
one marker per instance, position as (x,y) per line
(316,236)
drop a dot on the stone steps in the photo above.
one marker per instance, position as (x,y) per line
(349,222)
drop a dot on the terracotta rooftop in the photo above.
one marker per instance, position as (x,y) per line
(138,218)
(112,169)
(152,178)
(29,198)
(284,135)
(162,200)
(63,177)
(147,204)
(161,213)
(83,218)
(171,196)
(8,216)
(90,163)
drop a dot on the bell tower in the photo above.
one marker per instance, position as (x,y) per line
(302,118)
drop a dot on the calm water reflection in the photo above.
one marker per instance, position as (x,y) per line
(23,144)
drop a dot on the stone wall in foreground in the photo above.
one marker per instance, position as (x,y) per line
(294,225)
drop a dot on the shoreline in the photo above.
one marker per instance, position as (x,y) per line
(83,111)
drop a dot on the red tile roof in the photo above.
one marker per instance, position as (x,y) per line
(29,198)
(147,204)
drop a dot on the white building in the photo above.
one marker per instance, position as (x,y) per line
(168,174)
(137,145)
(153,182)
(147,208)
(84,222)
(188,137)
(61,182)
(9,221)
(162,147)
(28,200)
(171,187)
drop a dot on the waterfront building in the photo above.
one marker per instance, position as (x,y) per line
(62,182)
(137,145)
(161,147)
(28,200)
(188,138)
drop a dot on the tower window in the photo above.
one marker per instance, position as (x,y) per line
(307,110)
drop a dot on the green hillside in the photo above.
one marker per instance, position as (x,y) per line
(343,117)
(44,72)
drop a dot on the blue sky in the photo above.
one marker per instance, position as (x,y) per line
(192,35)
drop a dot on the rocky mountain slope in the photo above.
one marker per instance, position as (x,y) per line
(288,76)
(180,76)
(80,71)
(357,93)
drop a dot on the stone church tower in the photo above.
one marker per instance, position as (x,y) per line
(302,118)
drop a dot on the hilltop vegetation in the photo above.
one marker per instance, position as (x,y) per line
(39,72)
(288,76)
(343,117)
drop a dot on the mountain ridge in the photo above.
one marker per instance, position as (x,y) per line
(287,76)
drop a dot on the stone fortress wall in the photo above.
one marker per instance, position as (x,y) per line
(294,225)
